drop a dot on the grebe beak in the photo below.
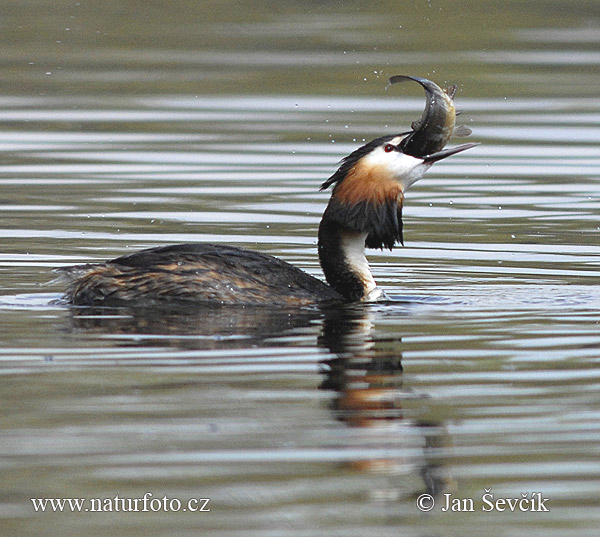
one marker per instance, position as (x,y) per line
(439,155)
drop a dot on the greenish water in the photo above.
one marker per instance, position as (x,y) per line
(134,124)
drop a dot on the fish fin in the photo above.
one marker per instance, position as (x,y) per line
(451,91)
(462,131)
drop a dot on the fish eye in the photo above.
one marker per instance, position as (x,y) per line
(388,148)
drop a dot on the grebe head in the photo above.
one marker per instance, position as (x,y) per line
(365,208)
(370,183)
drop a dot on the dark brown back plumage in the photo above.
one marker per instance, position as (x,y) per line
(194,273)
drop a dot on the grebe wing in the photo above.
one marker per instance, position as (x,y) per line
(195,273)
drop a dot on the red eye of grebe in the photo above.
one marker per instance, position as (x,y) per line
(388,148)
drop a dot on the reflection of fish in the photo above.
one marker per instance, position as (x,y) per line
(365,210)
(437,125)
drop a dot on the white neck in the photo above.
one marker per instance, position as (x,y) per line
(353,248)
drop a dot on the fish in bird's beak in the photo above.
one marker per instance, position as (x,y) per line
(437,125)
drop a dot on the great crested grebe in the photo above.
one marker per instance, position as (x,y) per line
(365,210)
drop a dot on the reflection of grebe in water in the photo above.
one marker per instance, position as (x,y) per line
(365,210)
(402,424)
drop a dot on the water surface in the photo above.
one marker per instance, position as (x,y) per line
(198,123)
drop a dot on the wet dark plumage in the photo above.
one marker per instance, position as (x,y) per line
(382,222)
(194,273)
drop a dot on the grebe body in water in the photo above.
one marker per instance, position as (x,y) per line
(365,210)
